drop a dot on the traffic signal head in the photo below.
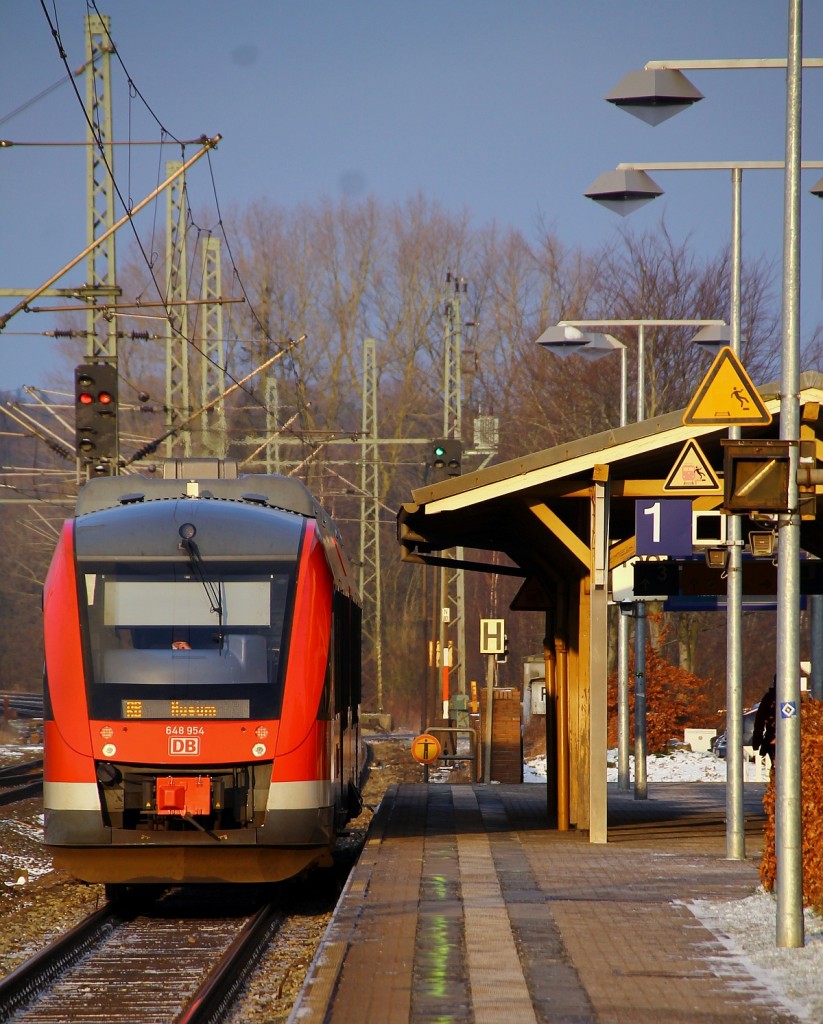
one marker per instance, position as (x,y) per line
(95,409)
(446,458)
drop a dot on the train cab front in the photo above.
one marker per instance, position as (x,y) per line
(166,709)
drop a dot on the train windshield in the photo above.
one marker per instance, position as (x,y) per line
(167,642)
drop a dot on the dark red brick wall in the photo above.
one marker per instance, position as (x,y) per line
(507,741)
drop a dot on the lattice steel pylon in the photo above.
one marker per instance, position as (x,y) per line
(213,347)
(177,346)
(452,582)
(370,582)
(272,450)
(101,279)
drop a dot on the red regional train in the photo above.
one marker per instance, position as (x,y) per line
(202,683)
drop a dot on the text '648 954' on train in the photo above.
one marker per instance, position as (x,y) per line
(202,637)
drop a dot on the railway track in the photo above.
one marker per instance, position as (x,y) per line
(268,993)
(174,960)
(21,782)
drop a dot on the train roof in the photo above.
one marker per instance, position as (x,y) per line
(200,478)
(213,479)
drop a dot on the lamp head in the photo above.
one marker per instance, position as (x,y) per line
(654,96)
(623,191)
(712,338)
(563,340)
(600,345)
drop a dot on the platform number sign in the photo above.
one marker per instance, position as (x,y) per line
(663,526)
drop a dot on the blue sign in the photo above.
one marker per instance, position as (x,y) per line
(663,526)
(788,709)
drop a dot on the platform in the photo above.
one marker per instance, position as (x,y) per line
(465,908)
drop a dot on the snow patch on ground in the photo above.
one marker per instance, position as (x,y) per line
(746,928)
(679,766)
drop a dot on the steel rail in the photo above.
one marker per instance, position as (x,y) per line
(12,796)
(212,1001)
(26,982)
(24,770)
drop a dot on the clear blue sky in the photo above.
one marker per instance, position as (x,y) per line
(492,106)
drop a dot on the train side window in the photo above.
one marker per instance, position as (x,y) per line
(347,679)
(355,657)
(340,625)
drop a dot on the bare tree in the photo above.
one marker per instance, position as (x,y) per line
(342,272)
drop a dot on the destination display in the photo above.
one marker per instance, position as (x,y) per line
(185,709)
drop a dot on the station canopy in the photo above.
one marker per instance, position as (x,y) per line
(535,509)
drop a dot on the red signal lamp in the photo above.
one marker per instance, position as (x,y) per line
(104,398)
(84,398)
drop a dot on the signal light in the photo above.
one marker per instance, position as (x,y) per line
(96,433)
(446,458)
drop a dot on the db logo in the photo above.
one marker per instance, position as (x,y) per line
(184,745)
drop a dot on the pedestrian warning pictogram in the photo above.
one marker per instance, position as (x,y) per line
(691,472)
(425,748)
(727,395)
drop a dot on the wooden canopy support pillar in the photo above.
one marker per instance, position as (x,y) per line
(598,655)
(581,665)
(561,645)
(550,675)
(571,680)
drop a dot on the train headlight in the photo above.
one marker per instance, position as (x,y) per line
(261,732)
(107,732)
(109,750)
(259,749)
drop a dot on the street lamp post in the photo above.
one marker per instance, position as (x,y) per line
(605,188)
(565,340)
(788,829)
(788,824)
(623,773)
(638,189)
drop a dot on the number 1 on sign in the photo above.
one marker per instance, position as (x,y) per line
(654,512)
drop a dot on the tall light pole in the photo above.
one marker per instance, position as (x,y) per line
(637,189)
(630,184)
(788,830)
(564,341)
(623,774)
(788,824)
(735,818)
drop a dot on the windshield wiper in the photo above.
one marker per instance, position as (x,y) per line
(187,544)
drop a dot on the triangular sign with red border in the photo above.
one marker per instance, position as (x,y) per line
(691,472)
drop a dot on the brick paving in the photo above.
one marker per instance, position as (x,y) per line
(464,907)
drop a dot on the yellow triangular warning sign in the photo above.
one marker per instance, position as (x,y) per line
(727,395)
(691,472)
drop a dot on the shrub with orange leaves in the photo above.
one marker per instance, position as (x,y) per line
(811,783)
(674,699)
